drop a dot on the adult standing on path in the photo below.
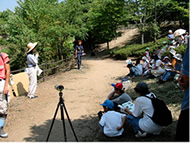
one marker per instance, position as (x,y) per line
(4,90)
(79,50)
(32,61)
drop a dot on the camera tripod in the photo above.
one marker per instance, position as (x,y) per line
(61,105)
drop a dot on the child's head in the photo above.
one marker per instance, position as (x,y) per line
(147,49)
(108,105)
(119,88)
(130,65)
(141,89)
(178,58)
(166,59)
(164,42)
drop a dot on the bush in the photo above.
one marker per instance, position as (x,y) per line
(179,50)
(136,50)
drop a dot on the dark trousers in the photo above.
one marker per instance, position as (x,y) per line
(79,61)
(182,131)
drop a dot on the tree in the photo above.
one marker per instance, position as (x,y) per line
(54,25)
(104,19)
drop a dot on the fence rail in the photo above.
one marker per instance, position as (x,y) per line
(48,69)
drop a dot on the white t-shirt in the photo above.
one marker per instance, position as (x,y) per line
(144,105)
(158,63)
(110,121)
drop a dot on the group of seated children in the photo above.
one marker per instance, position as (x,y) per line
(112,122)
(169,66)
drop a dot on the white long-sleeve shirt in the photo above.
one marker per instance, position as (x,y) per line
(32,60)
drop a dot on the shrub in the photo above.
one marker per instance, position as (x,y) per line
(136,50)
(179,50)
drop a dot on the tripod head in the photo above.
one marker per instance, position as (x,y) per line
(59,87)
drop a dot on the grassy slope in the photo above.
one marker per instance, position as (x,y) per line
(172,98)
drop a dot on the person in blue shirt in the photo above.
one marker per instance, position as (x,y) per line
(182,131)
(172,72)
(170,37)
(79,50)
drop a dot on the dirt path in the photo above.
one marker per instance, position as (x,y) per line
(29,120)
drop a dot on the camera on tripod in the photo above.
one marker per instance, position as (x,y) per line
(62,107)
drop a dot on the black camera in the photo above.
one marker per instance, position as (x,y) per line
(59,87)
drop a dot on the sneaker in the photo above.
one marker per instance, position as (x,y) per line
(3,134)
(33,97)
(141,134)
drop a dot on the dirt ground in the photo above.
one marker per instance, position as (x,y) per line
(29,120)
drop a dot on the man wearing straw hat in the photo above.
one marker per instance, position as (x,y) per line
(32,61)
(4,90)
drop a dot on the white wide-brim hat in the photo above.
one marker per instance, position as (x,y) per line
(178,57)
(173,52)
(31,46)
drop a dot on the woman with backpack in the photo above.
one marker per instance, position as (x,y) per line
(143,105)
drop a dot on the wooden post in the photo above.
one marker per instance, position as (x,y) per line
(44,68)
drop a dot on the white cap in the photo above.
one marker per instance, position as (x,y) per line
(170,31)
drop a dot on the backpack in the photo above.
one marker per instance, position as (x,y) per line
(162,115)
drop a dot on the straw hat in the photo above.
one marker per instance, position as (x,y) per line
(31,46)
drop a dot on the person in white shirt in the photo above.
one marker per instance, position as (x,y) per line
(32,61)
(157,70)
(111,122)
(180,40)
(143,105)
(145,65)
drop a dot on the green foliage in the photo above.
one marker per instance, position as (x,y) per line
(53,25)
(179,50)
(105,18)
(136,49)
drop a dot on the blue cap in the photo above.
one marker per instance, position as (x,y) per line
(108,103)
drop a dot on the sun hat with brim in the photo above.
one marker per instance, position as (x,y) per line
(31,46)
(141,86)
(170,31)
(178,57)
(173,52)
(164,42)
(119,86)
(108,103)
(147,48)
(166,57)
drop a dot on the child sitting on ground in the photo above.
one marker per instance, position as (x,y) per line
(143,106)
(172,72)
(111,122)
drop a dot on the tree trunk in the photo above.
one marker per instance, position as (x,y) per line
(155,12)
(142,38)
(60,51)
(108,45)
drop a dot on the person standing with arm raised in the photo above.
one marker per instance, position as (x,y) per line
(32,61)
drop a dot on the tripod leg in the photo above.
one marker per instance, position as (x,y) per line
(70,121)
(62,118)
(52,123)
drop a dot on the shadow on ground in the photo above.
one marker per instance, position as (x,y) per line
(87,129)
